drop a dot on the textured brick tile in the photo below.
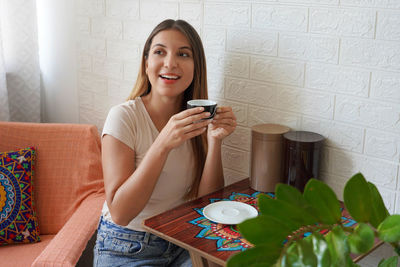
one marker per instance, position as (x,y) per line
(309,47)
(83,25)
(214,38)
(388,25)
(119,88)
(91,82)
(371,3)
(305,102)
(158,10)
(90,7)
(229,64)
(235,159)
(86,99)
(253,42)
(232,176)
(337,79)
(251,92)
(240,138)
(131,70)
(137,31)
(106,28)
(227,15)
(122,9)
(191,12)
(258,115)
(339,135)
(368,113)
(92,46)
(369,53)
(277,70)
(383,145)
(345,22)
(108,67)
(84,62)
(380,172)
(287,18)
(385,86)
(123,50)
(215,85)
(239,109)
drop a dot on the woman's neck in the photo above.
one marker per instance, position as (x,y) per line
(161,108)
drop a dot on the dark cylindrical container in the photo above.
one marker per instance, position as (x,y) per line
(266,156)
(302,157)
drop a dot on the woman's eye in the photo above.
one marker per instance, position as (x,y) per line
(183,54)
(158,52)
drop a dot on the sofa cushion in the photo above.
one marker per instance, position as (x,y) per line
(18,222)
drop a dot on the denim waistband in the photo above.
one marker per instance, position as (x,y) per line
(123,232)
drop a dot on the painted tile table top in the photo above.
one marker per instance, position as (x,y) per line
(187,227)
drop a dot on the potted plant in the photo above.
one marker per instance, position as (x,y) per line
(278,231)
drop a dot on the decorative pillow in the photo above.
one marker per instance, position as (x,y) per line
(18,222)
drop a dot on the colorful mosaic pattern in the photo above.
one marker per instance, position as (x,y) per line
(227,237)
(18,222)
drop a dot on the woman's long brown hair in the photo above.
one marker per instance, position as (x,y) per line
(196,90)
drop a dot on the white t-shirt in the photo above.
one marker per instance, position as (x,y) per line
(130,123)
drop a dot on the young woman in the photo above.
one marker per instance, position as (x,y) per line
(156,153)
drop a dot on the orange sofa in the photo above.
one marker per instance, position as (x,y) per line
(69,190)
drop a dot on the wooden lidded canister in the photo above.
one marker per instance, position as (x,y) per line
(266,156)
(302,157)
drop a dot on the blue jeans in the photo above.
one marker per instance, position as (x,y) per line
(120,246)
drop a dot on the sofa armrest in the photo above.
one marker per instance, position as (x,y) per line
(68,244)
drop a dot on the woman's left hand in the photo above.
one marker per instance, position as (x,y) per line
(223,123)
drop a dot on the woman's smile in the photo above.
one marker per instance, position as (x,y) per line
(169,78)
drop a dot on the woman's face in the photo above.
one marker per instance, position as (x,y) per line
(170,65)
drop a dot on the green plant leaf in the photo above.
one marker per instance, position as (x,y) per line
(338,247)
(362,239)
(293,196)
(378,211)
(294,217)
(310,251)
(290,194)
(262,255)
(389,229)
(389,262)
(323,200)
(264,229)
(299,254)
(321,250)
(357,198)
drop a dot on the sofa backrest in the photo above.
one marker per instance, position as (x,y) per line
(67,169)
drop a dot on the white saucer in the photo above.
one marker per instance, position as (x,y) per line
(229,212)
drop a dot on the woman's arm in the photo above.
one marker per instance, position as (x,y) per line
(223,124)
(128,189)
(212,178)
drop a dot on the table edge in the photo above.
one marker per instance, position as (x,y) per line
(185,246)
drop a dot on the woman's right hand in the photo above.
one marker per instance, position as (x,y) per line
(181,127)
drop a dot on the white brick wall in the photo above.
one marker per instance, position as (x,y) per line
(328,66)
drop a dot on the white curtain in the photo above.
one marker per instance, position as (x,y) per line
(19,61)
(4,110)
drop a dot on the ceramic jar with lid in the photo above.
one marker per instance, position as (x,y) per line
(302,157)
(267,156)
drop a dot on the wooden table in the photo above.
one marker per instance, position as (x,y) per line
(186,226)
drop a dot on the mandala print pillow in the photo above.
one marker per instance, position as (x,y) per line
(18,222)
